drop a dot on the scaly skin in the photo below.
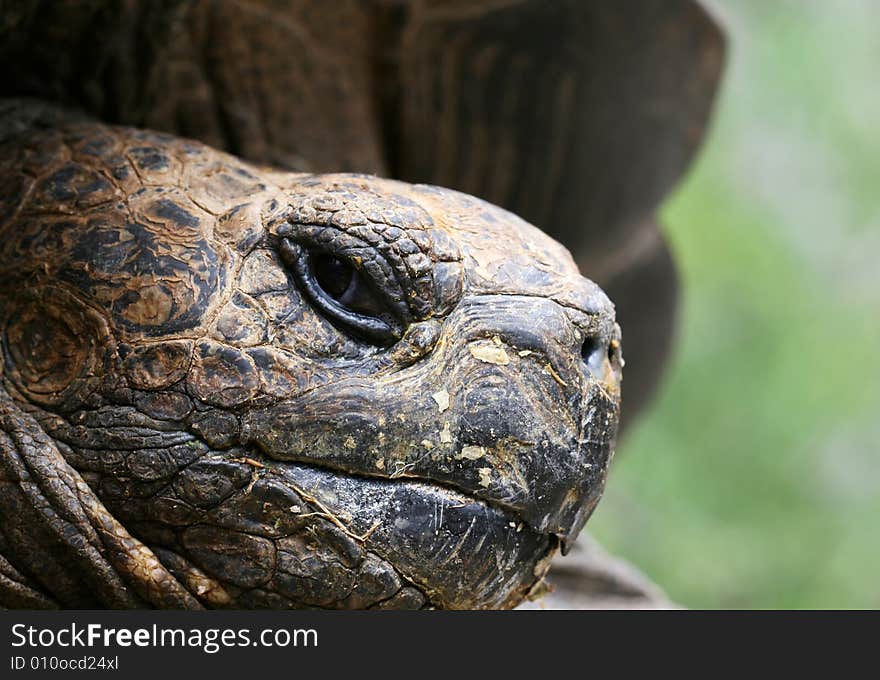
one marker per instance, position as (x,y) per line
(186,423)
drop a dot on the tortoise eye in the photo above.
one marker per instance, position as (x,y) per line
(332,274)
(340,291)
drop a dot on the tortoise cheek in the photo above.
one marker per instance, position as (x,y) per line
(56,349)
(154,366)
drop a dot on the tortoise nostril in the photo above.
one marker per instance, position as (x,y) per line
(593,353)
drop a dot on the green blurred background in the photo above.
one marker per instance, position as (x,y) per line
(754,481)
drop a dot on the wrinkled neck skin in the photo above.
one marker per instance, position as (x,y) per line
(187,421)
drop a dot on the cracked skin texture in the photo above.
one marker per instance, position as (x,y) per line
(187,422)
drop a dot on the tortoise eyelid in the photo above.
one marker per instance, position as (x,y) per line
(373,328)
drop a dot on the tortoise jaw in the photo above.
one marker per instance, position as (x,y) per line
(545,508)
(460,551)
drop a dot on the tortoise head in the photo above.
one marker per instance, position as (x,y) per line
(305,390)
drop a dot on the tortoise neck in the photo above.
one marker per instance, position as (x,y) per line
(288,85)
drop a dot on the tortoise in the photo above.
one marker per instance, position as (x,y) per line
(254,356)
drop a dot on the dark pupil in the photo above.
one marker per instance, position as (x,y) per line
(332,274)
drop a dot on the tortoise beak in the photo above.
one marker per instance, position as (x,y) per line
(539,408)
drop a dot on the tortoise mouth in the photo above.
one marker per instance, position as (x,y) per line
(400,476)
(513,479)
(460,551)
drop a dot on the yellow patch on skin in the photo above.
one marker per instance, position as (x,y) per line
(485,476)
(446,434)
(380,463)
(442,399)
(349,443)
(489,353)
(428,444)
(472,453)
